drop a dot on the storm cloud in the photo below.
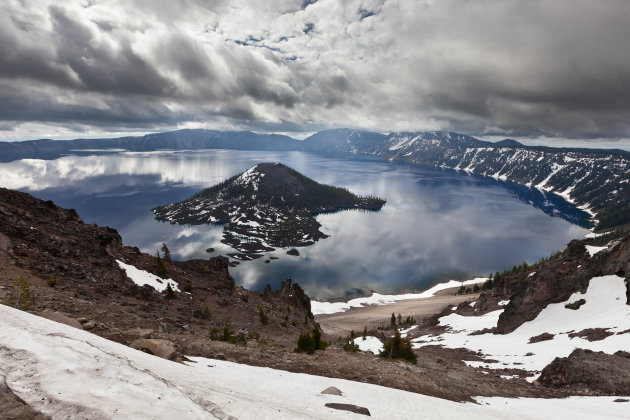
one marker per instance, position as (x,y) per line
(524,69)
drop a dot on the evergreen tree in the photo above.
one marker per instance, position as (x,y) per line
(399,348)
(169,292)
(21,298)
(364,333)
(161,266)
(392,321)
(166,252)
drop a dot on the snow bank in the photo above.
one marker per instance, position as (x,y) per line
(370,343)
(605,307)
(141,277)
(592,250)
(321,308)
(70,373)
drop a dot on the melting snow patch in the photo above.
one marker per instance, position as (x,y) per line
(320,308)
(370,343)
(592,250)
(141,277)
(503,302)
(605,307)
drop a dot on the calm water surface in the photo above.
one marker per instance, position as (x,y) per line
(436,225)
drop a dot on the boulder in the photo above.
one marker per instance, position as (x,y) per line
(157,347)
(575,305)
(349,407)
(90,325)
(332,391)
(596,371)
(61,318)
(542,337)
(140,332)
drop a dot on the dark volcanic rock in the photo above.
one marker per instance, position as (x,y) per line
(575,305)
(349,407)
(541,337)
(592,334)
(265,207)
(596,371)
(294,252)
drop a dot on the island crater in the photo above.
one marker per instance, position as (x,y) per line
(266,207)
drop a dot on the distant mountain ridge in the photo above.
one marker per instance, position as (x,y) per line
(596,180)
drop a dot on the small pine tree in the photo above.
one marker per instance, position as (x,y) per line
(166,252)
(305,344)
(264,319)
(365,333)
(161,266)
(476,288)
(392,321)
(21,298)
(399,348)
(308,343)
(350,346)
(399,319)
(206,314)
(169,292)
(317,339)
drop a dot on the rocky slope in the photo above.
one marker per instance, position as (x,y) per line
(556,280)
(73,270)
(266,207)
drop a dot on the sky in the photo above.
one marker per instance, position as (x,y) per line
(540,71)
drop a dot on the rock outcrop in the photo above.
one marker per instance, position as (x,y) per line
(598,372)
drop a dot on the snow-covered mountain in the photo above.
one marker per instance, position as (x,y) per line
(595,180)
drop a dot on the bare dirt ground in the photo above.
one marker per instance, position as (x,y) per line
(341,323)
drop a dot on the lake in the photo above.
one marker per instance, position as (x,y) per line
(437,224)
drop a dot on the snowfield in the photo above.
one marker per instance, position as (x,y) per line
(323,308)
(605,307)
(70,373)
(142,277)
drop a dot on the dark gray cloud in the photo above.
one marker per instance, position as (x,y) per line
(544,68)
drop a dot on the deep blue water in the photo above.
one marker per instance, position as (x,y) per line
(437,224)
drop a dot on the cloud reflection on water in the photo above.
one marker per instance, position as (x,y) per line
(436,224)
